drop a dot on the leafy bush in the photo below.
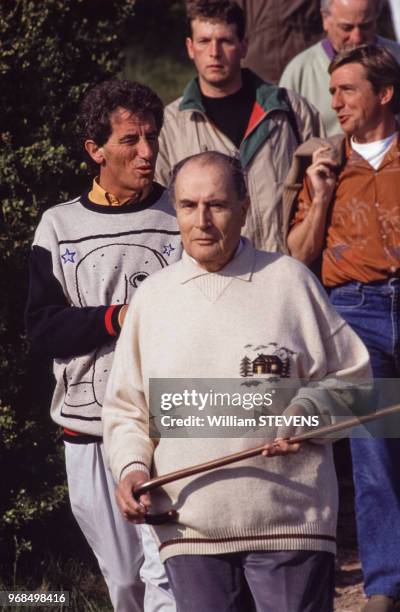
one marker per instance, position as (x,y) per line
(157,53)
(50,52)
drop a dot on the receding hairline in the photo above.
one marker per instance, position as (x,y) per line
(327,4)
(204,161)
(231,166)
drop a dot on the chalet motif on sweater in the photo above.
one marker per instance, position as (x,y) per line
(270,360)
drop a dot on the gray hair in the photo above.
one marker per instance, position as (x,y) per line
(231,164)
(326,6)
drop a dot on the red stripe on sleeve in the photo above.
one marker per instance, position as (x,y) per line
(108,322)
(69,432)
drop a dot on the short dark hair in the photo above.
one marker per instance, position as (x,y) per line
(231,164)
(226,11)
(381,68)
(100,102)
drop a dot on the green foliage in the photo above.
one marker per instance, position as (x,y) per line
(87,590)
(50,52)
(157,52)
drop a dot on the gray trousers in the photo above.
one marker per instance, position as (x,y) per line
(284,581)
(127,554)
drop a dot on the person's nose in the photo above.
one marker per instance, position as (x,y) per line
(214,48)
(144,149)
(356,36)
(337,101)
(202,217)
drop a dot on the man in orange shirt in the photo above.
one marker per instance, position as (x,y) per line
(348,213)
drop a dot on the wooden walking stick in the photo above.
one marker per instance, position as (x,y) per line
(320,432)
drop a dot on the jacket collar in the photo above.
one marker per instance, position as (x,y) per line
(268,98)
(241,266)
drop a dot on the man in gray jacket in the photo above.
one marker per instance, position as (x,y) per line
(233,111)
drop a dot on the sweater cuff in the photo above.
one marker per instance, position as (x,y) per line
(111,320)
(138,466)
(307,404)
(323,419)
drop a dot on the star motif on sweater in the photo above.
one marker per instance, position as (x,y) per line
(68,256)
(168,248)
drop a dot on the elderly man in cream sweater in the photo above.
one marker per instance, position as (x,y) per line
(264,529)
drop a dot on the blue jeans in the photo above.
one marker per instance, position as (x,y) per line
(373,311)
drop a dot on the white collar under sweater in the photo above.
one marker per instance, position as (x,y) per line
(212,284)
(241,266)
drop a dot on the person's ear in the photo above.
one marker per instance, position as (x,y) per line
(326,20)
(245,46)
(386,94)
(244,206)
(95,152)
(189,47)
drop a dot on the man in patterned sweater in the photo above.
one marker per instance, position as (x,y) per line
(268,523)
(89,256)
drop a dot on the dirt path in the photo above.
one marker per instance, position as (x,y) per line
(349,596)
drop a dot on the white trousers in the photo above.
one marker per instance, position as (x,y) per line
(127,554)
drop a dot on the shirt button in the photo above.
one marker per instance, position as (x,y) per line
(384,236)
(393,269)
(377,204)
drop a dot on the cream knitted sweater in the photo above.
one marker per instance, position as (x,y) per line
(186,322)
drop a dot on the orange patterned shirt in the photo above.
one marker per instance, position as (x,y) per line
(363,227)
